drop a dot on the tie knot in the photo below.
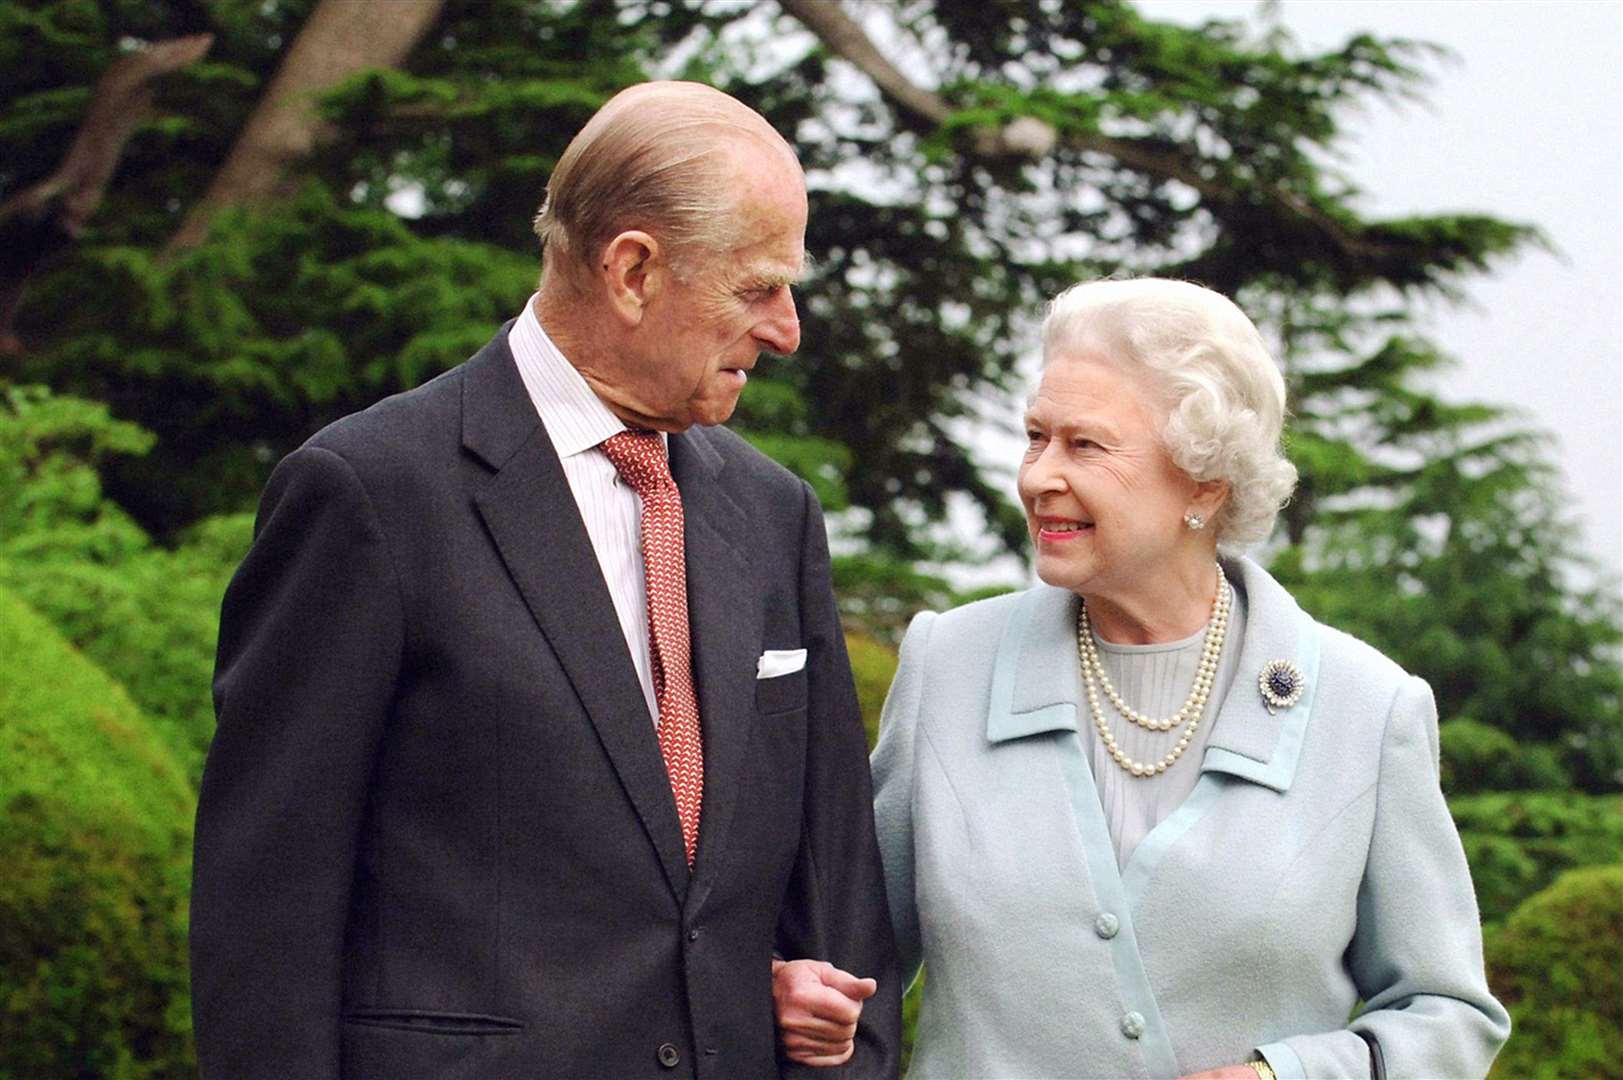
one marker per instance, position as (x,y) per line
(639,458)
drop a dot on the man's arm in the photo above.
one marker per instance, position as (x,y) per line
(835,910)
(310,645)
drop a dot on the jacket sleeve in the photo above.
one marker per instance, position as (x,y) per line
(835,907)
(310,646)
(1416,957)
(893,762)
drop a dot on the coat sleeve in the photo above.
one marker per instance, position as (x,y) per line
(835,905)
(310,646)
(1416,957)
(893,764)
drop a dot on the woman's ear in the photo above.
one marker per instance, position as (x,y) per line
(628,269)
(1208,499)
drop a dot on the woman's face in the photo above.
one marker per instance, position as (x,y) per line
(1104,503)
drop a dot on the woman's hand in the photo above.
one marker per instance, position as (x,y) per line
(1227,1072)
(817,1007)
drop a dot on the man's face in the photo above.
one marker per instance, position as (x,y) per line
(703,331)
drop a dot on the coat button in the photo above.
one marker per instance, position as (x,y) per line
(668,1056)
(693,935)
(1132,1025)
(1106,925)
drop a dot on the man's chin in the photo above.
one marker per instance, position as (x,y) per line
(713,411)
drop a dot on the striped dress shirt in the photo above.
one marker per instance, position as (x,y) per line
(577,422)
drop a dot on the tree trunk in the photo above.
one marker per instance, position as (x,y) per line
(340,38)
(42,219)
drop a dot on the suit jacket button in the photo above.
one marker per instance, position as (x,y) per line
(1132,1025)
(1106,925)
(668,1056)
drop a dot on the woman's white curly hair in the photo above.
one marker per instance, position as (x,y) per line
(1203,360)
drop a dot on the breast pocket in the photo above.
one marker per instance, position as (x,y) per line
(781,693)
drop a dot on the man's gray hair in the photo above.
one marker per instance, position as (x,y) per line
(1205,364)
(655,157)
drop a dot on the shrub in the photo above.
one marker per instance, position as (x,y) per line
(1477,757)
(95,828)
(873,665)
(147,615)
(1519,842)
(1554,965)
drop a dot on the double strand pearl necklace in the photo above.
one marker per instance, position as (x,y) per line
(1190,713)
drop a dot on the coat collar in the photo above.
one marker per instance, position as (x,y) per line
(1037,684)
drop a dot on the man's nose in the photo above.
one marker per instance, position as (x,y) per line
(780,330)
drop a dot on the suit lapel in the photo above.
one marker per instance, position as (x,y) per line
(724,612)
(536,527)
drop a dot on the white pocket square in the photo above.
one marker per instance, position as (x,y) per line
(775,662)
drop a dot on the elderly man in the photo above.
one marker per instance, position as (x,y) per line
(538,750)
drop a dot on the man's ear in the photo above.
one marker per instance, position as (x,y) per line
(630,271)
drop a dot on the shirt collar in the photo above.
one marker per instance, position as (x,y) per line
(576,419)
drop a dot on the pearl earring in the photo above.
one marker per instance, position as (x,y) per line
(1194,521)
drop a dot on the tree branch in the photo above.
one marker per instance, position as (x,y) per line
(42,219)
(1034,139)
(340,38)
(1025,137)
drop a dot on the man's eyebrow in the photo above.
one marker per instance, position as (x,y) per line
(770,277)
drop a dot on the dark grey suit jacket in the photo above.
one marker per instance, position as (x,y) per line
(436,838)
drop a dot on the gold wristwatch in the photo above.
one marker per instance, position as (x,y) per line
(1263,1070)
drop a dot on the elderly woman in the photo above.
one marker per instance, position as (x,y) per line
(1149,818)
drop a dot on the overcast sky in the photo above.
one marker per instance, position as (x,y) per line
(1525,123)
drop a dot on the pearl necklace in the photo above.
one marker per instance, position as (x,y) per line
(1189,713)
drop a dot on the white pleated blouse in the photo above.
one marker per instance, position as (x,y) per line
(1155,680)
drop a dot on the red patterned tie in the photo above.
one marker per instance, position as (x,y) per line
(639,456)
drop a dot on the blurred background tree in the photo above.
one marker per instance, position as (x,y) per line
(264,220)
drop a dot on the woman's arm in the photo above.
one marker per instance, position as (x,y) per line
(893,764)
(1416,957)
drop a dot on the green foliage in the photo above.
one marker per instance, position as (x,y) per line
(1436,532)
(95,831)
(1519,842)
(236,351)
(1554,965)
(406,245)
(1476,757)
(147,615)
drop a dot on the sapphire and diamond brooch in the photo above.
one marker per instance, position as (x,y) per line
(1281,684)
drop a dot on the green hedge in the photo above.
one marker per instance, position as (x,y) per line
(95,831)
(144,613)
(1555,965)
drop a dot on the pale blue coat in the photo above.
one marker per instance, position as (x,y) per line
(1314,865)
